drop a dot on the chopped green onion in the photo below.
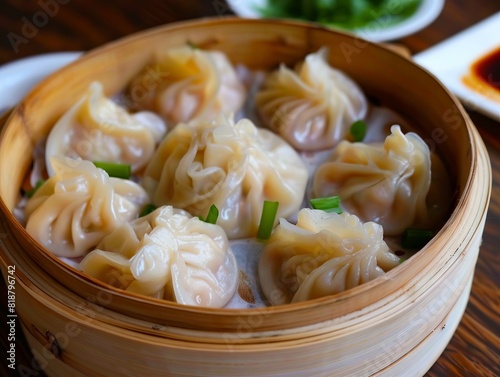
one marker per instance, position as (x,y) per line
(213,215)
(416,238)
(358,130)
(330,204)
(114,170)
(193,45)
(148,208)
(267,218)
(38,184)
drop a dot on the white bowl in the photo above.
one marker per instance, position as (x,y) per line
(428,11)
(19,76)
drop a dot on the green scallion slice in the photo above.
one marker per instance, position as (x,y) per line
(358,130)
(269,211)
(213,215)
(329,204)
(416,238)
(193,45)
(38,184)
(148,208)
(114,169)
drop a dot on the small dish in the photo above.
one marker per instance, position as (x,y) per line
(428,11)
(451,62)
(19,76)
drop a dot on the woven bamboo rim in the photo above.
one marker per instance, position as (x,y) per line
(388,346)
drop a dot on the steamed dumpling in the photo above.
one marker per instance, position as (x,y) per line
(97,129)
(184,83)
(385,183)
(167,254)
(233,166)
(313,106)
(79,205)
(324,254)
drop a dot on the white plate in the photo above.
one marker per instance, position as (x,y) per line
(450,61)
(19,76)
(425,14)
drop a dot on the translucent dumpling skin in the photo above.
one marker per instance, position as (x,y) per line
(233,166)
(313,106)
(182,84)
(323,254)
(97,129)
(385,183)
(79,205)
(169,255)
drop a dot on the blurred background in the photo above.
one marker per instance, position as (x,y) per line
(80,25)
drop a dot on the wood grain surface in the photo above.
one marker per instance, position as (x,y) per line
(80,25)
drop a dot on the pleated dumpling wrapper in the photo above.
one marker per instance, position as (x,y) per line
(387,183)
(98,129)
(235,167)
(79,205)
(313,106)
(324,254)
(168,255)
(184,83)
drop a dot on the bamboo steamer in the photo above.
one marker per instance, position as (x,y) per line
(400,322)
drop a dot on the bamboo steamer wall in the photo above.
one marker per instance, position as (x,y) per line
(401,321)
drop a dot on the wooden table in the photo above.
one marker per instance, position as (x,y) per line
(78,25)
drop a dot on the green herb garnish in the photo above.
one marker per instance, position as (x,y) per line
(38,184)
(269,211)
(416,238)
(346,14)
(193,45)
(212,216)
(114,169)
(358,130)
(329,204)
(148,208)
